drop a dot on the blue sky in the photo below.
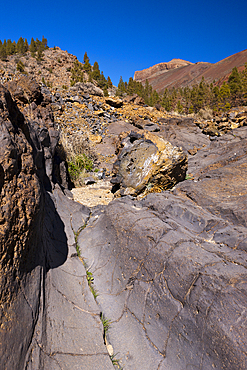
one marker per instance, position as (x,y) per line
(125,36)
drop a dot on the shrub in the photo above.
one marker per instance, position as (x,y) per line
(20,66)
(77,164)
(75,150)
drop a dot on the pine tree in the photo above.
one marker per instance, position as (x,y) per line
(10,48)
(3,54)
(96,72)
(44,42)
(244,84)
(121,87)
(179,107)
(20,47)
(105,91)
(26,46)
(85,58)
(14,46)
(87,66)
(109,82)
(76,73)
(33,47)
(216,98)
(224,95)
(235,85)
(131,87)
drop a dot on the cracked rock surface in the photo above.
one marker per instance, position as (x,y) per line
(48,316)
(68,333)
(170,270)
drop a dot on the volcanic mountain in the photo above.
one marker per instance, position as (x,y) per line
(180,73)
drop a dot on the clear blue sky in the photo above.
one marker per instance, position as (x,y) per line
(125,36)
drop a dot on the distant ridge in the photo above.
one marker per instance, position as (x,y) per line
(180,73)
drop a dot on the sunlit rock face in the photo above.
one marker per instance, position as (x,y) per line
(148,163)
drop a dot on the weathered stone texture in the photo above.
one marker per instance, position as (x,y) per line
(147,163)
(48,316)
(170,269)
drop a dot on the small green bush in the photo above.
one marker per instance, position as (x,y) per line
(78,164)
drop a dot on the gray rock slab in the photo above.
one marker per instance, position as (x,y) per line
(68,333)
(175,296)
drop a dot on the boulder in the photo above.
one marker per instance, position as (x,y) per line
(88,88)
(25,90)
(135,99)
(147,163)
(114,102)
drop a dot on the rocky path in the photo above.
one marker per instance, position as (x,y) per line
(94,194)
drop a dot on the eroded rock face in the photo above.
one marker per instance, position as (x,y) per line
(170,270)
(25,90)
(49,319)
(148,163)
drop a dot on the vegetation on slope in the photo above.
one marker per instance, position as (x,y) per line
(190,100)
(21,47)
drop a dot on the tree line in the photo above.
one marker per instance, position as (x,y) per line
(36,47)
(93,72)
(231,93)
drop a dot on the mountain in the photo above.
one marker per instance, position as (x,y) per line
(180,73)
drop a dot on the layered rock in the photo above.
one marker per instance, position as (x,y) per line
(157,69)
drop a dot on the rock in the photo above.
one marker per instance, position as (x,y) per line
(89,180)
(147,163)
(150,109)
(95,138)
(183,132)
(134,99)
(173,266)
(49,318)
(139,101)
(25,90)
(152,127)
(114,102)
(88,88)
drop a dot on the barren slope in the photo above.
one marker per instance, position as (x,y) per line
(182,75)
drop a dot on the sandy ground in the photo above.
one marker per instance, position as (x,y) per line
(92,195)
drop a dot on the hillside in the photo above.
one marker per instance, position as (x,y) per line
(54,67)
(188,74)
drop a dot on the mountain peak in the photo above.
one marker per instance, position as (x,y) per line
(170,74)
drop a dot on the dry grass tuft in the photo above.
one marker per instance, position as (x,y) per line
(75,150)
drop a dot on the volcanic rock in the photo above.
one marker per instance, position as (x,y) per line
(49,319)
(114,102)
(147,163)
(170,269)
(87,88)
(25,90)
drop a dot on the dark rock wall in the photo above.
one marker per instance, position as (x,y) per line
(48,316)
